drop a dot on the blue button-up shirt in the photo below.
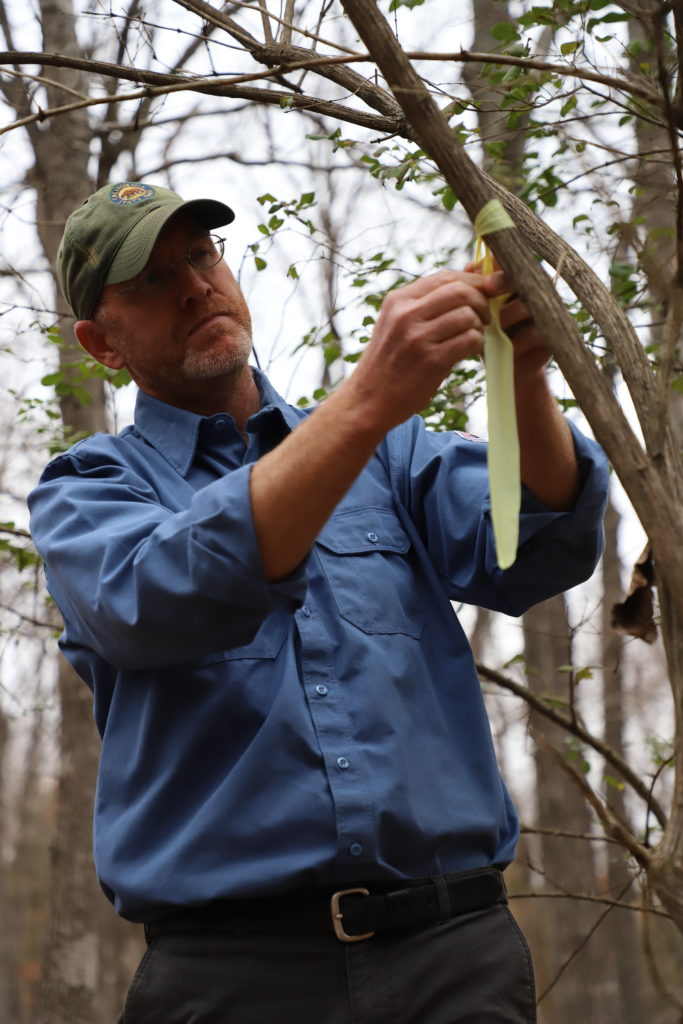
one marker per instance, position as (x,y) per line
(259,737)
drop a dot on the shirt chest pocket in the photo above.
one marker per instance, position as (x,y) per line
(365,556)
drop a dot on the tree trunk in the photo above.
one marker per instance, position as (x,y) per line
(9,992)
(70,969)
(69,981)
(567,864)
(622,927)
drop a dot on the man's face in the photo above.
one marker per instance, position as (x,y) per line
(196,328)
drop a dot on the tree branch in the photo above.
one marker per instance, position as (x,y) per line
(587,898)
(578,730)
(210,14)
(611,821)
(560,833)
(231,86)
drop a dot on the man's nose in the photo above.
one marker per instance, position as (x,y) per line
(190,283)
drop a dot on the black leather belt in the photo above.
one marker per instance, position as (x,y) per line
(352,914)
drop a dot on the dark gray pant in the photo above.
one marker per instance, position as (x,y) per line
(475,969)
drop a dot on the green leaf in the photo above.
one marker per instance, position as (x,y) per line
(567,48)
(260,263)
(448,198)
(611,18)
(395,4)
(568,105)
(505,32)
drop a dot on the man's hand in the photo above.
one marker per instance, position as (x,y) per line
(531,351)
(423,330)
(547,460)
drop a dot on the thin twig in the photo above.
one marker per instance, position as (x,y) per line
(587,898)
(560,833)
(207,12)
(24,75)
(581,945)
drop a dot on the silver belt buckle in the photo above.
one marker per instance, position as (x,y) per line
(337,916)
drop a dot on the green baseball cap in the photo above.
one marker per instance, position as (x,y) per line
(110,238)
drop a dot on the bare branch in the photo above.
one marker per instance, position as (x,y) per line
(28,619)
(560,833)
(210,14)
(42,80)
(587,898)
(578,730)
(265,19)
(213,86)
(577,949)
(14,531)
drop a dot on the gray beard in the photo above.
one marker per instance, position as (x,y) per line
(206,365)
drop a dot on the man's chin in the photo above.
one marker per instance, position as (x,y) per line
(205,365)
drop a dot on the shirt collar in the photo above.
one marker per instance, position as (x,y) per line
(174,432)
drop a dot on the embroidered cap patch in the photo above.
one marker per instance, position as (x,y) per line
(128,192)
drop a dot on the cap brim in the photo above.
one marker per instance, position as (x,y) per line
(135,250)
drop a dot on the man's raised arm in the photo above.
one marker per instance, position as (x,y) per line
(423,330)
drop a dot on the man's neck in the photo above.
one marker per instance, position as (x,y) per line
(236,394)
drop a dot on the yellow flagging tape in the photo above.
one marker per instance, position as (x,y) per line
(503,448)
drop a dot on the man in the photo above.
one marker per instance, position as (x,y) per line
(260,599)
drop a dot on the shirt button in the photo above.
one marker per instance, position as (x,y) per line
(306,611)
(321,690)
(220,424)
(372,537)
(343,763)
(355,849)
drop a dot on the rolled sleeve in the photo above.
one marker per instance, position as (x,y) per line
(443,480)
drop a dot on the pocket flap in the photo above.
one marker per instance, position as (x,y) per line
(364,529)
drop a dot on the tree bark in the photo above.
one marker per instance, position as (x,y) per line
(70,968)
(622,928)
(568,865)
(68,985)
(9,992)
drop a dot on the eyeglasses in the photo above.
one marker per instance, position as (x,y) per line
(203,255)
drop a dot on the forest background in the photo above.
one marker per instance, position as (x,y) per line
(357,141)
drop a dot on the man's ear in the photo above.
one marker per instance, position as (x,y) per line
(94,340)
